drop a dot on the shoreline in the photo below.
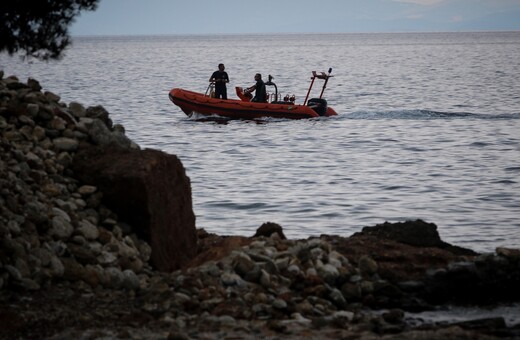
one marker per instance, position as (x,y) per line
(88,217)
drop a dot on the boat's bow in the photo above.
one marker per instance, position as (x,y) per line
(180,98)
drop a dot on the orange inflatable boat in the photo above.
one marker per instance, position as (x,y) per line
(204,104)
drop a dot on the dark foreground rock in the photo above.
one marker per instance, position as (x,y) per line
(150,191)
(252,288)
(98,241)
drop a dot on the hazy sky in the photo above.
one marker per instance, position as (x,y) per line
(128,17)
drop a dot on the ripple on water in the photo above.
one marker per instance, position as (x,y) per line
(409,142)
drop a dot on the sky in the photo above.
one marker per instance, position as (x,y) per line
(152,17)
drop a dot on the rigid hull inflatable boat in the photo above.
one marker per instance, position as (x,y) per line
(205,104)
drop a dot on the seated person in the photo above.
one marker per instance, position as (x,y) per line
(259,88)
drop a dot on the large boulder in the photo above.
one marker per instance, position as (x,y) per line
(403,250)
(150,191)
(416,233)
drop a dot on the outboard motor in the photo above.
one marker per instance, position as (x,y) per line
(319,105)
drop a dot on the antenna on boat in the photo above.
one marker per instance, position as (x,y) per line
(326,80)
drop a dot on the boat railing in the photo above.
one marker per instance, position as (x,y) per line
(272,96)
(210,91)
(322,76)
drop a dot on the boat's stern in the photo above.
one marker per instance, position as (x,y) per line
(330,112)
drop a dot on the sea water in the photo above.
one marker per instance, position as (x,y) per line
(428,127)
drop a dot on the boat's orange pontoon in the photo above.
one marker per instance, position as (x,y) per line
(276,107)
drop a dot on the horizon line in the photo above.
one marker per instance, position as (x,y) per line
(282,33)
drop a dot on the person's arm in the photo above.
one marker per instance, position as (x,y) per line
(250,89)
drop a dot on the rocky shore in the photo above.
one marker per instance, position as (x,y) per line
(98,240)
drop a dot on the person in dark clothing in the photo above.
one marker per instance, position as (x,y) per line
(220,78)
(259,88)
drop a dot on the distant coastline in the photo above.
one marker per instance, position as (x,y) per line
(220,35)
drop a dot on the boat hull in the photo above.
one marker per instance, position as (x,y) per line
(193,102)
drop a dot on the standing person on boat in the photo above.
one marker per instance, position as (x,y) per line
(220,78)
(259,88)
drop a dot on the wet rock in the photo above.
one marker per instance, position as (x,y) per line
(510,254)
(34,84)
(52,96)
(416,233)
(99,113)
(269,229)
(77,109)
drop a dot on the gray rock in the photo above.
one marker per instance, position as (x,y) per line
(65,144)
(14,227)
(34,84)
(29,284)
(85,190)
(231,279)
(88,230)
(77,109)
(279,304)
(13,272)
(462,267)
(367,266)
(130,280)
(329,273)
(52,96)
(32,109)
(337,298)
(38,133)
(61,228)
(512,254)
(57,123)
(61,213)
(106,258)
(116,278)
(243,265)
(43,255)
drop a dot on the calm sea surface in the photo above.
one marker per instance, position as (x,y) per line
(428,127)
